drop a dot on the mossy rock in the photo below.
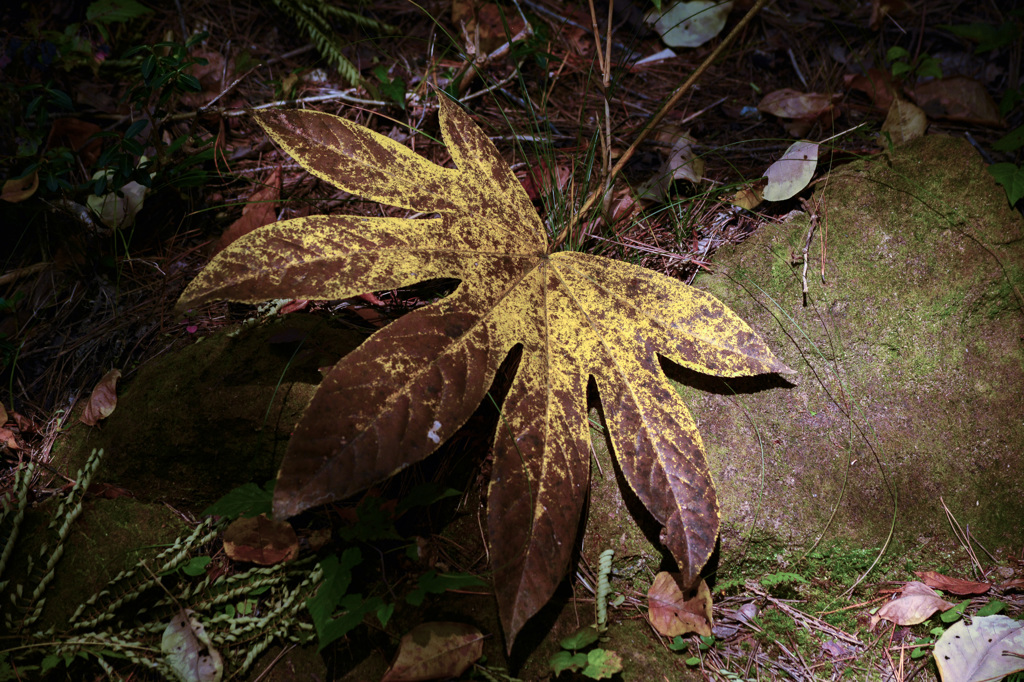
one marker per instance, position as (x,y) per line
(908,355)
(194,424)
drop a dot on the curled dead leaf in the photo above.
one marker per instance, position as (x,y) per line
(904,122)
(952,585)
(672,613)
(19,189)
(916,605)
(433,651)
(103,399)
(260,540)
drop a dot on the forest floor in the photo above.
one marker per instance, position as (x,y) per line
(109,103)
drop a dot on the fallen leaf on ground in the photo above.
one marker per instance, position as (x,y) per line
(691,24)
(3,414)
(19,189)
(789,103)
(877,85)
(672,614)
(952,585)
(571,316)
(434,651)
(25,425)
(259,210)
(958,99)
(1013,585)
(189,651)
(788,176)
(7,438)
(259,540)
(916,605)
(904,122)
(988,648)
(103,399)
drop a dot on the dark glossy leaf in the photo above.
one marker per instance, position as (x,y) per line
(410,386)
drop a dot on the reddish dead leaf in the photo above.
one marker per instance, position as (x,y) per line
(25,425)
(877,85)
(103,399)
(916,605)
(78,136)
(261,541)
(537,179)
(434,651)
(958,99)
(7,438)
(3,414)
(20,189)
(671,613)
(1013,585)
(294,306)
(259,211)
(952,585)
(108,491)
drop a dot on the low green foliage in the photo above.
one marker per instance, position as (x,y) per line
(922,66)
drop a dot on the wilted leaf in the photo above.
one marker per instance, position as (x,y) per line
(20,189)
(789,103)
(3,414)
(916,605)
(189,651)
(988,648)
(682,163)
(260,540)
(903,123)
(958,98)
(117,210)
(792,173)
(257,212)
(956,586)
(103,399)
(1013,585)
(671,613)
(7,438)
(410,386)
(691,24)
(877,85)
(434,651)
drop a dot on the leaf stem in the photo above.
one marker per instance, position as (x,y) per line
(656,119)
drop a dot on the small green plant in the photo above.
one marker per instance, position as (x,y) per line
(902,67)
(597,663)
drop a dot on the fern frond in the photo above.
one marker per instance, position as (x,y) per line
(310,19)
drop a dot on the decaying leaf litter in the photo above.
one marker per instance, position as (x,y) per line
(628,243)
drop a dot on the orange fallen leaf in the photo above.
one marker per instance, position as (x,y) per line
(260,540)
(952,585)
(671,613)
(103,399)
(434,651)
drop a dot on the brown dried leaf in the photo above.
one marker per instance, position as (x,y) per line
(958,98)
(917,605)
(434,651)
(877,85)
(1013,585)
(103,399)
(260,210)
(3,414)
(261,541)
(7,438)
(575,317)
(671,613)
(904,122)
(20,189)
(789,103)
(952,585)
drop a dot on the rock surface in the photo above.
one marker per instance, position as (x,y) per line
(910,359)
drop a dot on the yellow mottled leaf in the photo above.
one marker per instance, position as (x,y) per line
(572,317)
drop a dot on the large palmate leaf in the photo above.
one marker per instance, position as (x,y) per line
(405,390)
